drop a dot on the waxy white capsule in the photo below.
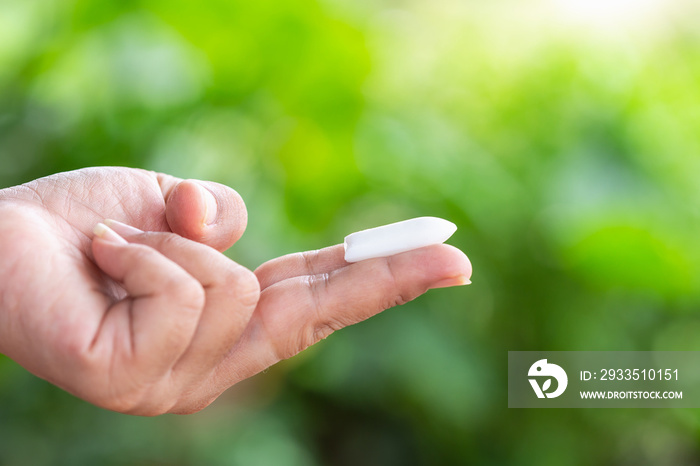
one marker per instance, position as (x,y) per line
(397,237)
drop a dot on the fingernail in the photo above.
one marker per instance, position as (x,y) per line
(104,232)
(122,228)
(210,206)
(452,281)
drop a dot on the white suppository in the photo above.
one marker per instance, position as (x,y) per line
(397,237)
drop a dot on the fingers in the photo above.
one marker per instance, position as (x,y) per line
(232,292)
(209,326)
(153,326)
(297,312)
(204,211)
(301,263)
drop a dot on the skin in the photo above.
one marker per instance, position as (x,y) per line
(148,317)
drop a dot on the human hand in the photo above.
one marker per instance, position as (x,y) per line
(149,317)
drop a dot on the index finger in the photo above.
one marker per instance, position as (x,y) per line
(297,312)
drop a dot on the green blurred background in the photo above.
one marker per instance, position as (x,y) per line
(561,136)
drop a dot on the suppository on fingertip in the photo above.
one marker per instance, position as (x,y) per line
(396,238)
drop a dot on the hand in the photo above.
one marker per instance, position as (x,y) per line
(148,316)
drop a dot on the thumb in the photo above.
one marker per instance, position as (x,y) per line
(204,211)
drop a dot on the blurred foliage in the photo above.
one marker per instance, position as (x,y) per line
(561,136)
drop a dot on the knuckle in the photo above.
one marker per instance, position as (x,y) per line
(126,403)
(242,286)
(288,347)
(390,274)
(323,330)
(135,406)
(186,291)
(396,293)
(143,400)
(310,258)
(248,288)
(140,253)
(169,241)
(318,286)
(283,336)
(310,335)
(78,353)
(191,406)
(322,325)
(397,300)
